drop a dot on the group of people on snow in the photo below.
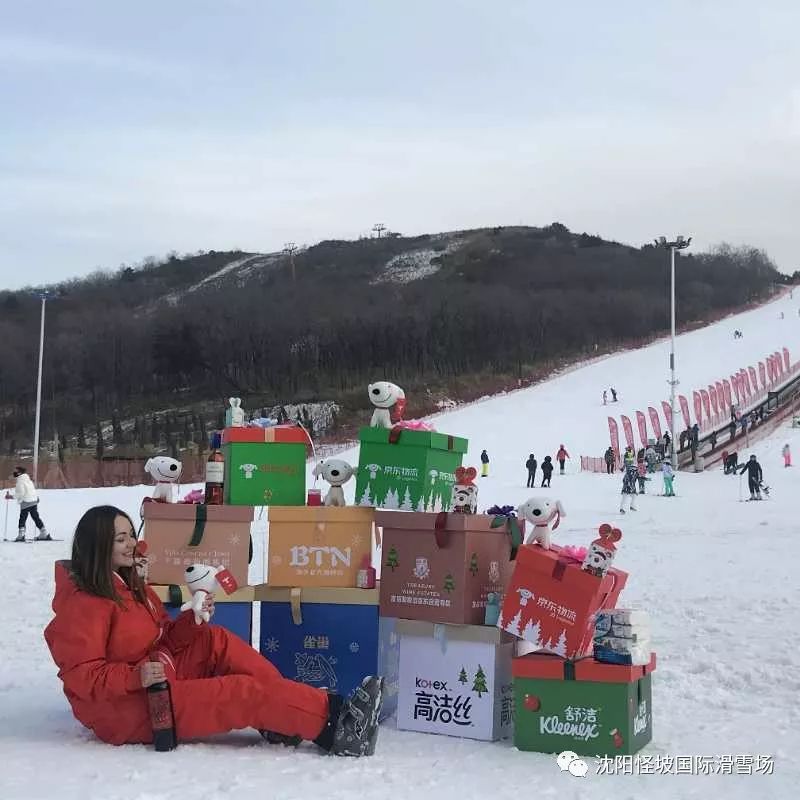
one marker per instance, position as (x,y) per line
(635,468)
(613,395)
(546,466)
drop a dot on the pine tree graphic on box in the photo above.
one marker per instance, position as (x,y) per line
(531,633)
(479,684)
(449,583)
(462,676)
(513,626)
(407,504)
(366,498)
(391,558)
(473,564)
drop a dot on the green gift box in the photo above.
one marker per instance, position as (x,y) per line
(591,708)
(265,467)
(407,469)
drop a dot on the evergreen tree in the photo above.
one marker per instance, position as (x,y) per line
(391,558)
(479,684)
(449,583)
(462,676)
(473,564)
(155,432)
(81,437)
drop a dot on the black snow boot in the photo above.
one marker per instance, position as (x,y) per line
(352,728)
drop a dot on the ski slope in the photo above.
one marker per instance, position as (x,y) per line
(717,576)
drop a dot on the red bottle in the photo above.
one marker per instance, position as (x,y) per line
(162,719)
(215,474)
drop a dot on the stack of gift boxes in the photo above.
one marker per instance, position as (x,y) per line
(582,676)
(430,625)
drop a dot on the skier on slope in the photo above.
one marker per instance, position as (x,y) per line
(628,481)
(609,459)
(605,397)
(787,455)
(669,476)
(531,465)
(484,463)
(547,471)
(754,477)
(561,456)
(614,394)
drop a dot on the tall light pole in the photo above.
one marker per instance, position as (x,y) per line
(379,228)
(679,244)
(289,249)
(43,295)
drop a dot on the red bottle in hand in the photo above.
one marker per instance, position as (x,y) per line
(162,719)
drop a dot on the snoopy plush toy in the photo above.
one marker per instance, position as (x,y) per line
(336,472)
(166,472)
(544,515)
(203,580)
(385,396)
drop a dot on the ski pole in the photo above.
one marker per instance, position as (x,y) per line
(740,486)
(5,523)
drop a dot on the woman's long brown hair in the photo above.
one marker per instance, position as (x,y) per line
(91,555)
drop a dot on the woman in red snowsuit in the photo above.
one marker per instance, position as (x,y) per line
(109,625)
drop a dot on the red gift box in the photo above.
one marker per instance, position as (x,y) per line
(275,433)
(551,601)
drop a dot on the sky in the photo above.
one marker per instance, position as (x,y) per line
(133,130)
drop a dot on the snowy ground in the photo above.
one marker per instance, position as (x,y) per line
(716,575)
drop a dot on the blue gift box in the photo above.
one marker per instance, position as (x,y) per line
(329,637)
(234,612)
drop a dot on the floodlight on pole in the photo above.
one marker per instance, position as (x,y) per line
(679,244)
(379,228)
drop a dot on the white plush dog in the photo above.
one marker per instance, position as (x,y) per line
(166,472)
(202,580)
(384,396)
(336,472)
(544,515)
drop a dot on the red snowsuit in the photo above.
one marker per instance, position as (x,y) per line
(562,454)
(218,682)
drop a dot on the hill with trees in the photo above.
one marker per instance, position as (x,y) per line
(448,316)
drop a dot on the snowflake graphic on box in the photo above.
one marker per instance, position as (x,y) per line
(277,559)
(234,539)
(354,648)
(272,645)
(356,540)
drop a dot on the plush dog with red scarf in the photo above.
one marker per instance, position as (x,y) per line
(544,515)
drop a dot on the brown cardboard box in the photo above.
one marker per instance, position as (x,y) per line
(441,567)
(179,534)
(317,545)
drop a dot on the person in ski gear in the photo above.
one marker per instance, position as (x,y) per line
(547,471)
(628,481)
(605,397)
(754,477)
(111,638)
(712,440)
(732,429)
(641,475)
(26,496)
(730,462)
(667,443)
(531,465)
(609,459)
(744,423)
(694,439)
(651,459)
(614,394)
(484,464)
(787,455)
(669,475)
(561,456)
(682,441)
